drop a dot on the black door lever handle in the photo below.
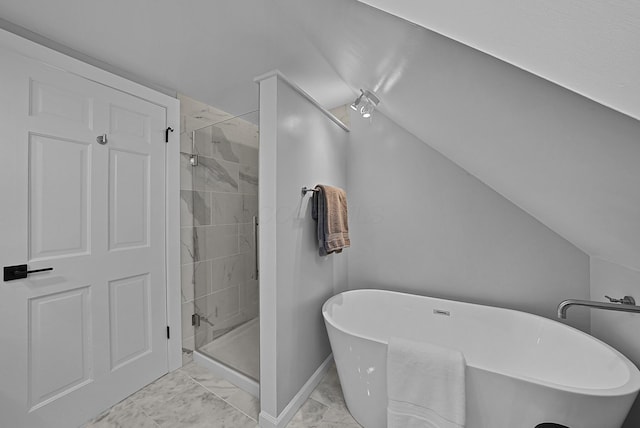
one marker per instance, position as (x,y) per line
(19,272)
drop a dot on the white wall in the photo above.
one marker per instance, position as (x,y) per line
(618,329)
(566,160)
(588,46)
(299,146)
(421,224)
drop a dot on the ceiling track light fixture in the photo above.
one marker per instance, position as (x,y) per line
(365,103)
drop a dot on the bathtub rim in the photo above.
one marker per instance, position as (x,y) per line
(631,386)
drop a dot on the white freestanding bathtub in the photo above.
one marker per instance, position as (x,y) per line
(522,369)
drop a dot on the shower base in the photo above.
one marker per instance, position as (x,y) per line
(235,356)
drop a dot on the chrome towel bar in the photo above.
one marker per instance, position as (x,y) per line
(306,189)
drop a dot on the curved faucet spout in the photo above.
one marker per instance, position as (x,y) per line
(566,304)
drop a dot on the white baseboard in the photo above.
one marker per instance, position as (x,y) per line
(269,421)
(265,420)
(238,379)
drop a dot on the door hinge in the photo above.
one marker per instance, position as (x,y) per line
(195,320)
(168,332)
(166,134)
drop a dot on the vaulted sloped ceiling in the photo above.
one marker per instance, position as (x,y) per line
(570,162)
(588,46)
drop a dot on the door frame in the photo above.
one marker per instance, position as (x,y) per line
(71,65)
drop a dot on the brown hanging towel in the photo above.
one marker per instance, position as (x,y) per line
(330,211)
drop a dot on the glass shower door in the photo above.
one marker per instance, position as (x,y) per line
(225,208)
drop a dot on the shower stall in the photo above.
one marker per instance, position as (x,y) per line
(219,193)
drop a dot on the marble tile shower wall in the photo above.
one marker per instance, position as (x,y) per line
(219,199)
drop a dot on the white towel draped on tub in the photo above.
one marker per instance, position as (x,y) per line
(425,386)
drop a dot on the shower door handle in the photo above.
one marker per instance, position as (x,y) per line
(255,245)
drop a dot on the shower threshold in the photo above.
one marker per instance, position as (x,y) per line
(234,356)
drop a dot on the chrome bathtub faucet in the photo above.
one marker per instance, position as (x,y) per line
(626,300)
(626,304)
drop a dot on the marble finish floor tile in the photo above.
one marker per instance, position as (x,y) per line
(198,407)
(210,381)
(245,402)
(123,415)
(338,417)
(193,397)
(325,408)
(314,414)
(309,416)
(152,397)
(231,394)
(329,391)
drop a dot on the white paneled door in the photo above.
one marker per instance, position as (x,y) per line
(82,191)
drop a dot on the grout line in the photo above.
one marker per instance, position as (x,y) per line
(144,412)
(220,397)
(216,258)
(169,397)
